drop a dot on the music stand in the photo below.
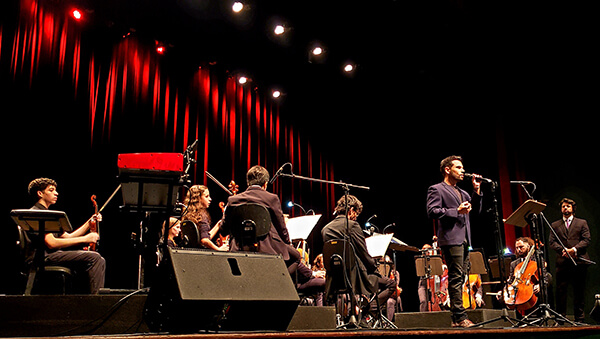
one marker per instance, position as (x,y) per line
(476,266)
(149,191)
(428,266)
(522,214)
(41,222)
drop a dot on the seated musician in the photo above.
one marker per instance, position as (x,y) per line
(522,247)
(394,302)
(197,201)
(277,241)
(174,232)
(90,262)
(437,286)
(473,292)
(367,265)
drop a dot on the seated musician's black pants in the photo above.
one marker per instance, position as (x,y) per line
(90,262)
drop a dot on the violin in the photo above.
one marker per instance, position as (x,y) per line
(519,294)
(233,188)
(95,224)
(438,285)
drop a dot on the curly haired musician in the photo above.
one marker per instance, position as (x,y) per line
(197,201)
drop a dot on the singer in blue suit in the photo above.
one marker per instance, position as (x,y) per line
(450,207)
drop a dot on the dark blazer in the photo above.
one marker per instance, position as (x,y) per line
(452,228)
(278,239)
(578,236)
(366,265)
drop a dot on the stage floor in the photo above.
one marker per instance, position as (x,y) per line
(117,317)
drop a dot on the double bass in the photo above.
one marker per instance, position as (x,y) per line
(519,294)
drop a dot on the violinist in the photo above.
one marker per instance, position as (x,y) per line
(197,201)
(277,241)
(174,232)
(348,211)
(574,233)
(437,286)
(394,302)
(90,262)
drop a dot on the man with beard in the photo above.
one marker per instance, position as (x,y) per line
(574,233)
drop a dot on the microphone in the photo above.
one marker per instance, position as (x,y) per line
(278,172)
(478,177)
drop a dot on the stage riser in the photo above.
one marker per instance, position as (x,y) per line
(70,315)
(442,319)
(77,315)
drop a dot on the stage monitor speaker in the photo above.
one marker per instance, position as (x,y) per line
(199,290)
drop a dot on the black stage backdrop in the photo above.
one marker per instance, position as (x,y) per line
(510,88)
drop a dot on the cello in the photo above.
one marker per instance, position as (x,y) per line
(519,294)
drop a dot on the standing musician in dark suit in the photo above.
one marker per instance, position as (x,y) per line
(450,206)
(90,262)
(367,265)
(574,233)
(277,241)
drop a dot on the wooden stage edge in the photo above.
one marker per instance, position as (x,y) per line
(113,316)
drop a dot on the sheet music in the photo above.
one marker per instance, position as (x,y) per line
(377,244)
(300,227)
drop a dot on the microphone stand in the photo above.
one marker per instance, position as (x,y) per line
(346,187)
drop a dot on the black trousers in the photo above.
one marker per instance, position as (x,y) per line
(569,274)
(457,260)
(90,262)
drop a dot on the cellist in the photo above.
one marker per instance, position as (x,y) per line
(522,247)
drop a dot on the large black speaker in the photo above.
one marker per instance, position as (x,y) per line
(207,290)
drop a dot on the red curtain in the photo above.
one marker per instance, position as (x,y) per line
(131,95)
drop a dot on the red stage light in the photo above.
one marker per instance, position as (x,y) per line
(76,14)
(160,49)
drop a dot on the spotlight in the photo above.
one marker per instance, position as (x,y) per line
(279,29)
(237,7)
(316,54)
(242,80)
(276,93)
(160,49)
(76,14)
(349,67)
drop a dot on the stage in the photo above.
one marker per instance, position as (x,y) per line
(121,316)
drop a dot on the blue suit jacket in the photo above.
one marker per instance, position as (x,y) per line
(442,205)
